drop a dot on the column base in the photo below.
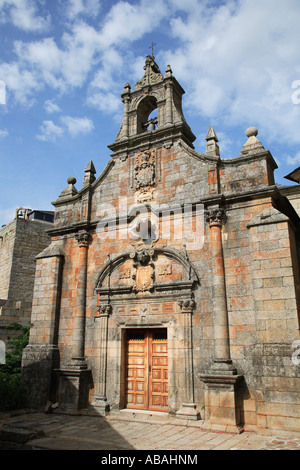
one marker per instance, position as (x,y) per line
(77,363)
(73,389)
(188,411)
(221,403)
(100,407)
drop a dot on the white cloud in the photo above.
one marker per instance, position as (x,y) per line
(294,161)
(24,15)
(51,107)
(76,126)
(3,133)
(50,132)
(23,84)
(74,8)
(106,102)
(127,22)
(238,61)
(72,126)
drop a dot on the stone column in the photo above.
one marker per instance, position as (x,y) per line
(75,378)
(221,399)
(168,113)
(126,101)
(100,405)
(188,408)
(78,359)
(222,359)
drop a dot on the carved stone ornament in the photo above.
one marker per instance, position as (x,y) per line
(145,195)
(152,74)
(143,275)
(215,216)
(83,238)
(187,306)
(104,310)
(144,170)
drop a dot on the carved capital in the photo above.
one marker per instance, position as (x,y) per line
(83,238)
(187,306)
(104,310)
(215,217)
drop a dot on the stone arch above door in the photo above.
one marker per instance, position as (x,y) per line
(163,259)
(146,275)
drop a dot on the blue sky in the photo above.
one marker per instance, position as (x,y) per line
(64,63)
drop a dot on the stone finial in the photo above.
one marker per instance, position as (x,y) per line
(71,180)
(212,148)
(251,132)
(252,144)
(70,190)
(127,88)
(168,72)
(89,176)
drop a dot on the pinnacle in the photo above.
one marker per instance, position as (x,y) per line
(90,168)
(211,135)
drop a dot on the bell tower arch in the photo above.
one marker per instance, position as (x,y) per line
(153,92)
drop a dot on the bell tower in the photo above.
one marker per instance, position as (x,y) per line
(140,124)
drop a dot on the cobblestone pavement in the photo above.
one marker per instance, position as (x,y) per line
(125,433)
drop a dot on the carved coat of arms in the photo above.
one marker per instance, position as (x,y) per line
(145,170)
(144,175)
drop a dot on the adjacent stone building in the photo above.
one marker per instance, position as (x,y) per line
(20,242)
(172,280)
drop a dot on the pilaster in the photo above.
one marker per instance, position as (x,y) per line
(100,404)
(188,409)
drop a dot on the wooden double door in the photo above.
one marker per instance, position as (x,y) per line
(146,377)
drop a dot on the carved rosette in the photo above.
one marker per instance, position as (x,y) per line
(215,217)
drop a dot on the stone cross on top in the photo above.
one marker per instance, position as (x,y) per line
(152,47)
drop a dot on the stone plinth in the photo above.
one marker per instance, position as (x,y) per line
(73,390)
(221,399)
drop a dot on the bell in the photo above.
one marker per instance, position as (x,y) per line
(151,127)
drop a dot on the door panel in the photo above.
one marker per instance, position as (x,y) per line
(158,371)
(147,369)
(136,363)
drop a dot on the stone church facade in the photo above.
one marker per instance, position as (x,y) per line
(172,280)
